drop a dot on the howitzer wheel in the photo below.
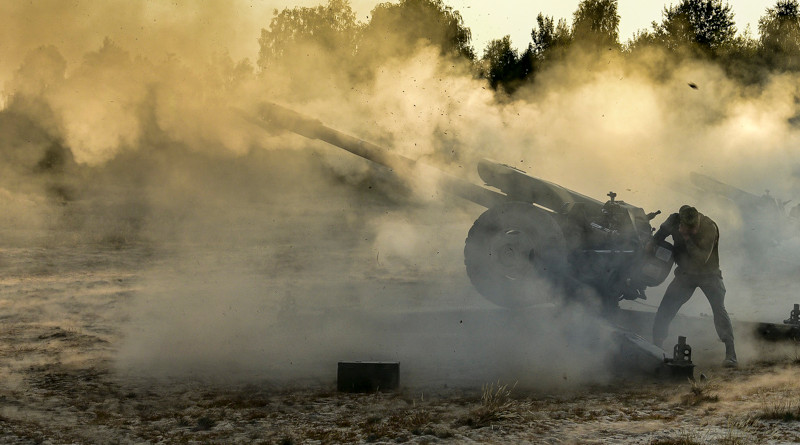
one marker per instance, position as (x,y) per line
(516,255)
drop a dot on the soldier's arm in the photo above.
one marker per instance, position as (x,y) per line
(700,246)
(667,227)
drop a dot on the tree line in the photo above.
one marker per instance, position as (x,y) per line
(698,29)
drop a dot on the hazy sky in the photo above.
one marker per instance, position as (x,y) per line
(493,19)
(235,26)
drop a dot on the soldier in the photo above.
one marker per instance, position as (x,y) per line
(696,240)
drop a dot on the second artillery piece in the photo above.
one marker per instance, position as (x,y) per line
(765,219)
(536,239)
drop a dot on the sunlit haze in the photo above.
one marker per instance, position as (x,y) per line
(131,124)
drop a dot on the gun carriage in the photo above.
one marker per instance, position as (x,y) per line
(537,239)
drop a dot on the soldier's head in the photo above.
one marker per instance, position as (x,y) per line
(689,220)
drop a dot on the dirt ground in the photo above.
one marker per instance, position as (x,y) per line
(64,312)
(211,315)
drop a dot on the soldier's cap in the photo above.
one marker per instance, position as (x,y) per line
(689,216)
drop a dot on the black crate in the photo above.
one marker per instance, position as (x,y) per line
(368,376)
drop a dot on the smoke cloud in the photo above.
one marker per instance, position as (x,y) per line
(266,253)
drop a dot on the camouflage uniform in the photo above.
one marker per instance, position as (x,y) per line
(697,262)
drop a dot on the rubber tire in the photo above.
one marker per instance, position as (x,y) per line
(516,255)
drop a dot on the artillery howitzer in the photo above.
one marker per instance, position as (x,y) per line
(790,329)
(765,217)
(537,239)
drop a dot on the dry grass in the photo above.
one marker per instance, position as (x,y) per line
(330,435)
(795,358)
(496,405)
(786,411)
(700,392)
(733,436)
(85,399)
(681,440)
(412,420)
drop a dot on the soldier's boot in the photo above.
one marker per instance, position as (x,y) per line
(730,356)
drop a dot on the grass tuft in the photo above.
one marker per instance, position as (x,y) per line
(496,405)
(699,393)
(684,438)
(788,411)
(676,441)
(795,359)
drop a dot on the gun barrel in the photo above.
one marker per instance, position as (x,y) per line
(273,116)
(521,187)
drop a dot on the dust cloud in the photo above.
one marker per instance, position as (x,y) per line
(263,253)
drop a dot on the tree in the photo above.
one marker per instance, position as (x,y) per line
(41,69)
(641,39)
(596,23)
(397,29)
(704,25)
(780,35)
(547,37)
(331,28)
(504,66)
